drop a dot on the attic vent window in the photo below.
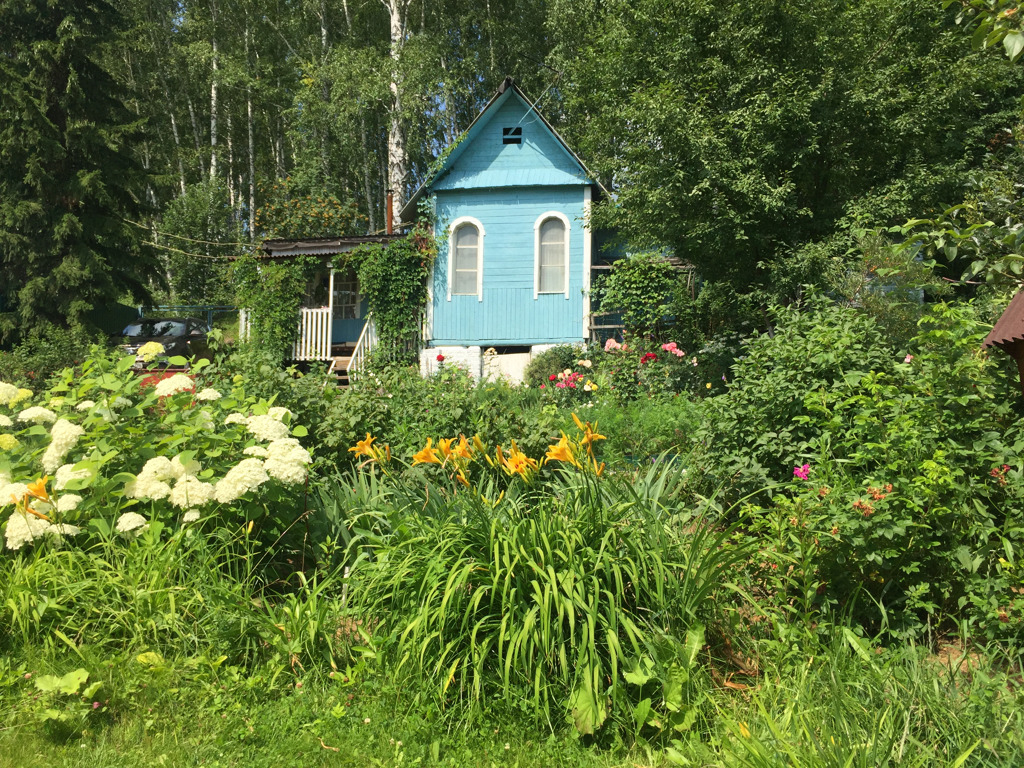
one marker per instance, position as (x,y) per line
(512,135)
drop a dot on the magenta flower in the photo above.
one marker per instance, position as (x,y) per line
(908,358)
(802,472)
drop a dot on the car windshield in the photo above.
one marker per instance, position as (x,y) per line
(150,328)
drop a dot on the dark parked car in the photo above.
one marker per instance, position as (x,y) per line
(179,336)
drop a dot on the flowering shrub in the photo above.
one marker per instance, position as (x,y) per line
(100,453)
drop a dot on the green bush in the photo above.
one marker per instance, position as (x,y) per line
(32,362)
(551,362)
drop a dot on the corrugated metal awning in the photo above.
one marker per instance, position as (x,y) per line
(320,246)
(1009,328)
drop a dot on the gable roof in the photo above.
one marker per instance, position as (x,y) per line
(1009,328)
(506,91)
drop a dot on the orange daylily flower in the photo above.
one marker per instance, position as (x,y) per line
(561,451)
(427,455)
(38,488)
(517,463)
(365,447)
(462,450)
(445,447)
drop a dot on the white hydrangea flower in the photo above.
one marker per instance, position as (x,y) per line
(151,482)
(191,492)
(247,475)
(63,436)
(178,469)
(8,393)
(24,529)
(11,493)
(208,394)
(205,420)
(120,403)
(85,405)
(179,382)
(234,418)
(279,412)
(68,502)
(131,525)
(256,450)
(37,415)
(266,428)
(190,517)
(287,460)
(5,421)
(66,474)
(61,530)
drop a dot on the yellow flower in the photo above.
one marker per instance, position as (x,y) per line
(708,385)
(517,463)
(8,442)
(462,450)
(23,394)
(365,447)
(590,434)
(426,456)
(561,451)
(38,488)
(445,447)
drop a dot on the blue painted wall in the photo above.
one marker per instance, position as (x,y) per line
(509,314)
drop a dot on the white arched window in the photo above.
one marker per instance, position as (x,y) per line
(466,249)
(551,254)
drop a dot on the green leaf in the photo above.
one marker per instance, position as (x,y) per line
(150,659)
(1014,45)
(299,431)
(588,710)
(69,683)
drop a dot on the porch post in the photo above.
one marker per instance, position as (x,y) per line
(330,311)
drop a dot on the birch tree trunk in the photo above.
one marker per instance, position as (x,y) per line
(213,94)
(397,156)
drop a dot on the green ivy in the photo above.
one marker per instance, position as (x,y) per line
(272,292)
(393,279)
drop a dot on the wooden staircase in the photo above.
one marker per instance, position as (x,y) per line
(341,355)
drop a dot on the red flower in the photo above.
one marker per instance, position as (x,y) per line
(552,377)
(648,357)
(440,358)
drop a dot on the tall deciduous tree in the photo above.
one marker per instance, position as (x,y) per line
(742,133)
(68,181)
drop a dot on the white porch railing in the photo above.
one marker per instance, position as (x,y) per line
(243,325)
(366,344)
(314,340)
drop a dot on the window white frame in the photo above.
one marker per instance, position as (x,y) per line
(536,251)
(452,229)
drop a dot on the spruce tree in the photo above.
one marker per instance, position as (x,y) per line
(69,184)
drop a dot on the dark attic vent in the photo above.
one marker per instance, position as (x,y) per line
(512,135)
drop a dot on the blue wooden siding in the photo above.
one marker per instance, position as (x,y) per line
(509,313)
(485,162)
(348,329)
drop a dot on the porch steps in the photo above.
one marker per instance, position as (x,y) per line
(341,354)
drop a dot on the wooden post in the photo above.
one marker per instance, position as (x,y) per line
(389,216)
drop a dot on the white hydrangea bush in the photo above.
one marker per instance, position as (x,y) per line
(110,452)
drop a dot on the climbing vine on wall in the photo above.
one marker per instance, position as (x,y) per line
(272,293)
(393,280)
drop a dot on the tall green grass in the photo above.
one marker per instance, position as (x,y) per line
(547,595)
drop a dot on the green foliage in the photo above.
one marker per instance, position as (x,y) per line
(202,213)
(289,212)
(994,22)
(562,596)
(551,362)
(272,293)
(393,280)
(724,131)
(43,353)
(68,181)
(641,288)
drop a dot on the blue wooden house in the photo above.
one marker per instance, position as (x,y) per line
(510,205)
